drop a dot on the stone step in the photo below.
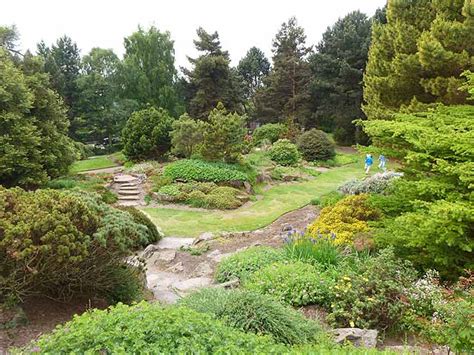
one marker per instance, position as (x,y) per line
(125,179)
(129,198)
(128,184)
(128,192)
(128,188)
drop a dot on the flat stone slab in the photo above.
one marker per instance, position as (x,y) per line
(128,188)
(167,255)
(174,243)
(187,286)
(129,184)
(165,296)
(124,178)
(129,197)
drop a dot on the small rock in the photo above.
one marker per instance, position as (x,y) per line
(286,227)
(178,267)
(213,254)
(359,337)
(203,237)
(174,243)
(167,255)
(149,251)
(187,286)
(203,269)
(165,296)
(248,188)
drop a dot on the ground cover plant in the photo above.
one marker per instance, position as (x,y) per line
(255,313)
(198,170)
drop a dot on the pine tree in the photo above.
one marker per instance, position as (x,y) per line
(337,69)
(285,95)
(415,59)
(211,80)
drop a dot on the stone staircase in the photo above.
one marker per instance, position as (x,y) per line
(129,189)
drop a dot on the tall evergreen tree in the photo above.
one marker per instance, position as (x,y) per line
(416,57)
(148,74)
(211,80)
(286,92)
(253,68)
(337,70)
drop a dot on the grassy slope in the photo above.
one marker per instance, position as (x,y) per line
(98,162)
(276,201)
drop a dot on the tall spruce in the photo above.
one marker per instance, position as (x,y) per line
(415,59)
(211,80)
(286,92)
(253,68)
(337,69)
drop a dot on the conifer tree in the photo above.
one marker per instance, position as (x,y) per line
(415,59)
(211,79)
(285,95)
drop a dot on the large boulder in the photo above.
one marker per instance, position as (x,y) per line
(366,338)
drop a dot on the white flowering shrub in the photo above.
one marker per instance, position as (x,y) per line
(377,183)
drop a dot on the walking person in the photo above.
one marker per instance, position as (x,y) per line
(368,162)
(382,162)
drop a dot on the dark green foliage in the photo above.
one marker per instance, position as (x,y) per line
(223,136)
(430,216)
(211,80)
(270,132)
(315,145)
(139,217)
(60,244)
(284,152)
(337,68)
(242,264)
(296,283)
(253,68)
(254,313)
(286,91)
(147,73)
(34,144)
(197,170)
(147,134)
(319,252)
(371,292)
(415,59)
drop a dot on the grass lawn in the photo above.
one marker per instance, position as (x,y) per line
(276,201)
(97,162)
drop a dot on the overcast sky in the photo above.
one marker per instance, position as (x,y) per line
(241,24)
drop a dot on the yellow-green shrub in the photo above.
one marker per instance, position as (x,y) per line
(344,220)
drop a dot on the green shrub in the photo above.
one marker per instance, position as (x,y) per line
(223,198)
(241,264)
(315,251)
(108,196)
(254,313)
(59,243)
(160,180)
(315,145)
(197,170)
(197,199)
(296,284)
(284,152)
(371,292)
(147,134)
(154,234)
(205,187)
(270,132)
(60,184)
(187,136)
(329,199)
(150,328)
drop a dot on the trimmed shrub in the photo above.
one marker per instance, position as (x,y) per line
(198,170)
(59,243)
(296,284)
(197,199)
(151,328)
(270,132)
(284,152)
(187,136)
(223,198)
(154,234)
(242,264)
(147,134)
(255,313)
(343,221)
(375,184)
(315,145)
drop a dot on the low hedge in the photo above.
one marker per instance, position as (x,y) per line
(154,234)
(198,170)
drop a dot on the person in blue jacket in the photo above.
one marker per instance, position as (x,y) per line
(368,162)
(382,162)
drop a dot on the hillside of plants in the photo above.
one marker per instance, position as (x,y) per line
(365,139)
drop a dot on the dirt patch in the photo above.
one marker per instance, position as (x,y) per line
(43,316)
